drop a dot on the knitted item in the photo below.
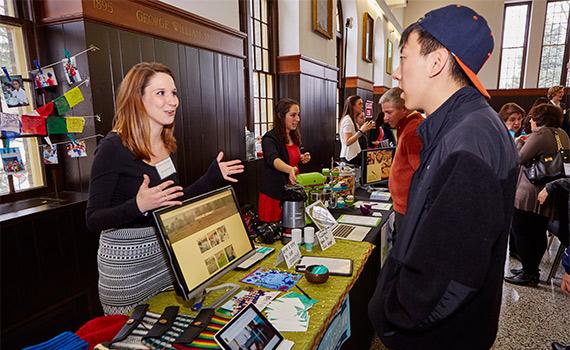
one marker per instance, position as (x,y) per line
(64,341)
(132,268)
(204,341)
(101,329)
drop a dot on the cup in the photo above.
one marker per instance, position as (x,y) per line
(309,238)
(297,236)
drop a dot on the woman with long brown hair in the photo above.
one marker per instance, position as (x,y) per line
(281,155)
(350,147)
(133,174)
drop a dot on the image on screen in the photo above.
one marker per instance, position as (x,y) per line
(250,330)
(377,164)
(205,236)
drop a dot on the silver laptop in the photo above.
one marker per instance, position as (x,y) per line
(323,219)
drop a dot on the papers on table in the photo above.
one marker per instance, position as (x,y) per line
(290,313)
(380,196)
(360,220)
(258,297)
(374,205)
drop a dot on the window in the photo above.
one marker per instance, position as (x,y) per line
(13,56)
(513,51)
(261,61)
(554,44)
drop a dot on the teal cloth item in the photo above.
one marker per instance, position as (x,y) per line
(64,341)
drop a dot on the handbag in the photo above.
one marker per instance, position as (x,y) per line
(548,167)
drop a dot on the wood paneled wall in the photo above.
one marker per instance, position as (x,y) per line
(211,116)
(72,173)
(313,84)
(523,97)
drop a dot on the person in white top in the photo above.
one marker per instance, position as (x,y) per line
(350,148)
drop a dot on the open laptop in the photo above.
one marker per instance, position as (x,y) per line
(249,329)
(323,219)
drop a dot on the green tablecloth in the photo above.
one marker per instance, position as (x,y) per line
(330,294)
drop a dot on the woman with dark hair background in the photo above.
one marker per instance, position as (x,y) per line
(281,156)
(350,147)
(530,219)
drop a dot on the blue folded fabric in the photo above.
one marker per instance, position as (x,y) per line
(64,341)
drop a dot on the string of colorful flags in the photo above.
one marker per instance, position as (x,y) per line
(46,120)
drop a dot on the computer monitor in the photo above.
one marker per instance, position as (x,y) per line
(376,163)
(204,238)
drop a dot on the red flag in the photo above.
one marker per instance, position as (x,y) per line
(34,125)
(45,110)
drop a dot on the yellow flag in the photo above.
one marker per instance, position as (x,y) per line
(75,124)
(73,97)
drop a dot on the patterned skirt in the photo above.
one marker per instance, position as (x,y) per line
(132,268)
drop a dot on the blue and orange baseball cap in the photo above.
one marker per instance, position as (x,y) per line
(465,34)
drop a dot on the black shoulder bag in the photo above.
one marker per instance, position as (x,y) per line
(548,167)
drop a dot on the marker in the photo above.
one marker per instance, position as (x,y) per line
(302,291)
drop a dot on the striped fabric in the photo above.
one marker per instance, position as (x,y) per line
(204,341)
(132,268)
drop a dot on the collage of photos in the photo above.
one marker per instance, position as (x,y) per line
(214,239)
(378,164)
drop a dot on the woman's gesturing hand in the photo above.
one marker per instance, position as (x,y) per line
(230,167)
(149,198)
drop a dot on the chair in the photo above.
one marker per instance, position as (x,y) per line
(553,230)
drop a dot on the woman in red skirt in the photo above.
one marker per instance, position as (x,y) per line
(281,156)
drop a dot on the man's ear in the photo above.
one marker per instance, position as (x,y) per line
(437,60)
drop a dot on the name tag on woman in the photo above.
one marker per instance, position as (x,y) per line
(165,168)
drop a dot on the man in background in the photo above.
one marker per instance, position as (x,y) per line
(407,157)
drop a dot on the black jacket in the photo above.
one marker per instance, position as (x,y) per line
(441,285)
(273,179)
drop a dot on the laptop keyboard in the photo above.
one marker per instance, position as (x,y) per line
(343,230)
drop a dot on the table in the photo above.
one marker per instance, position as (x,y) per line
(361,292)
(330,294)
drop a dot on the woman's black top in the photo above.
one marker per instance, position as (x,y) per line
(273,179)
(116,176)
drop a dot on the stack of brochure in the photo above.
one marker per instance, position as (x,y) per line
(290,313)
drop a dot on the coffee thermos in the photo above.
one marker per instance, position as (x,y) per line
(293,213)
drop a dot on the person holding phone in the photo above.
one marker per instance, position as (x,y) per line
(132,175)
(349,136)
(281,157)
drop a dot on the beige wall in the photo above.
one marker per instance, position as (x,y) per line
(312,44)
(536,29)
(492,10)
(222,11)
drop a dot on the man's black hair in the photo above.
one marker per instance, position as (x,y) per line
(429,44)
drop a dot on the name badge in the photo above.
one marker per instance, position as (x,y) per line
(165,168)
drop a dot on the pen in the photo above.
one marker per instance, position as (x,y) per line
(302,291)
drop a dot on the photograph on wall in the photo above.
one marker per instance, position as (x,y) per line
(12,161)
(13,91)
(211,265)
(230,252)
(45,79)
(204,244)
(71,72)
(221,258)
(49,154)
(76,150)
(214,238)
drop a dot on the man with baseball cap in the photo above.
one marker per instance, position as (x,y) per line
(441,285)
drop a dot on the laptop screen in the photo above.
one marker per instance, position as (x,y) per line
(249,330)
(320,215)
